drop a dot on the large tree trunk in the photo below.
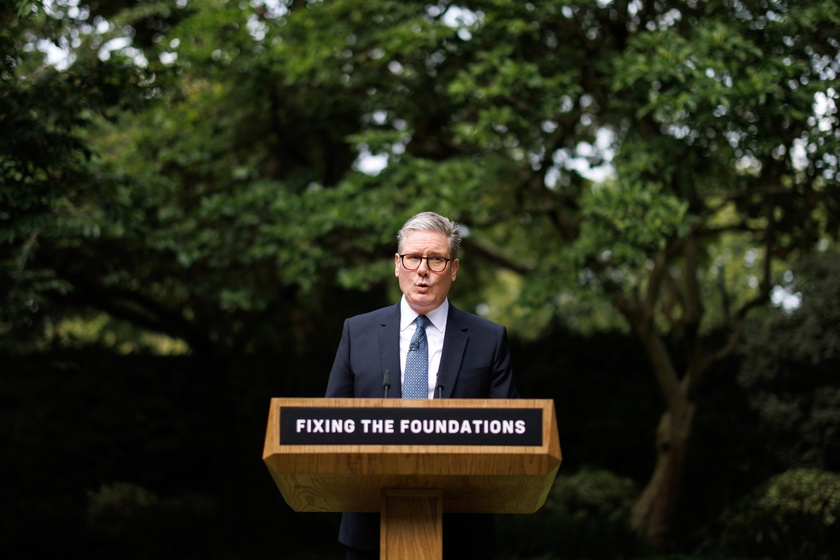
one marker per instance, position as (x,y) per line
(652,514)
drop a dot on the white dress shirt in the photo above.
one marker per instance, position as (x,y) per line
(434,337)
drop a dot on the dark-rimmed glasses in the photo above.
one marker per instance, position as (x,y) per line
(435,264)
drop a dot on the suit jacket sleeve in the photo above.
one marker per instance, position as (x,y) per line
(369,347)
(502,385)
(484,371)
(341,381)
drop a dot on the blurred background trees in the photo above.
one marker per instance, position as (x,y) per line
(195,193)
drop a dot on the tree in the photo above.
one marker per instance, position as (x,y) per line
(716,123)
(44,158)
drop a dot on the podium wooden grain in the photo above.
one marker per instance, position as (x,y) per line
(411,524)
(413,485)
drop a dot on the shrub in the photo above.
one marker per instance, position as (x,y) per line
(585,517)
(136,517)
(795,515)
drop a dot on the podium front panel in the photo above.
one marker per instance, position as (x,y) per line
(485,455)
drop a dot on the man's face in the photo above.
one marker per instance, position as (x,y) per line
(424,289)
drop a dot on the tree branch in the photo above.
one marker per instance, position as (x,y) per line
(494,256)
(140,310)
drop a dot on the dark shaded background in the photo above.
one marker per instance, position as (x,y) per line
(143,454)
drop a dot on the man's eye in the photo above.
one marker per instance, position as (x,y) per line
(436,260)
(414,258)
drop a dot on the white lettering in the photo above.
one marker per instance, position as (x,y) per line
(411,425)
(325,425)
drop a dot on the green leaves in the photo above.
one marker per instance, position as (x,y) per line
(241,173)
(626,223)
(794,515)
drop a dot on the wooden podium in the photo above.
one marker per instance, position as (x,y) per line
(412,461)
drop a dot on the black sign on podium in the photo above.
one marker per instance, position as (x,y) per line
(410,426)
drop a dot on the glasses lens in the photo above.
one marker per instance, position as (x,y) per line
(411,262)
(436,264)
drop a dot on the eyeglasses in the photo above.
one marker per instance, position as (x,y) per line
(435,264)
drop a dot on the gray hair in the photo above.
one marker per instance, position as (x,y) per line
(429,221)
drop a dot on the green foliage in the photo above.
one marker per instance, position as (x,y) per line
(627,223)
(128,512)
(584,517)
(790,368)
(248,157)
(794,515)
(46,173)
(588,496)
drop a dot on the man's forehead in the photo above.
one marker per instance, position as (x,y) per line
(426,238)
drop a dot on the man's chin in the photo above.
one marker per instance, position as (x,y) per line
(423,303)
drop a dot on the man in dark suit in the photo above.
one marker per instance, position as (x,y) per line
(460,356)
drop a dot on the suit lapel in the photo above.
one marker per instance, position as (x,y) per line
(454,345)
(389,348)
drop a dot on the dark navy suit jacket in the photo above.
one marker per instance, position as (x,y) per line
(474,364)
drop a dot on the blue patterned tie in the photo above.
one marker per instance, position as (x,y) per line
(416,385)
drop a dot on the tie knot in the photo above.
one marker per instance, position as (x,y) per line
(422,321)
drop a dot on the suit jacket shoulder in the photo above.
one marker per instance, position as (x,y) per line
(476,358)
(369,348)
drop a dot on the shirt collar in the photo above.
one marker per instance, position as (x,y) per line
(436,316)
